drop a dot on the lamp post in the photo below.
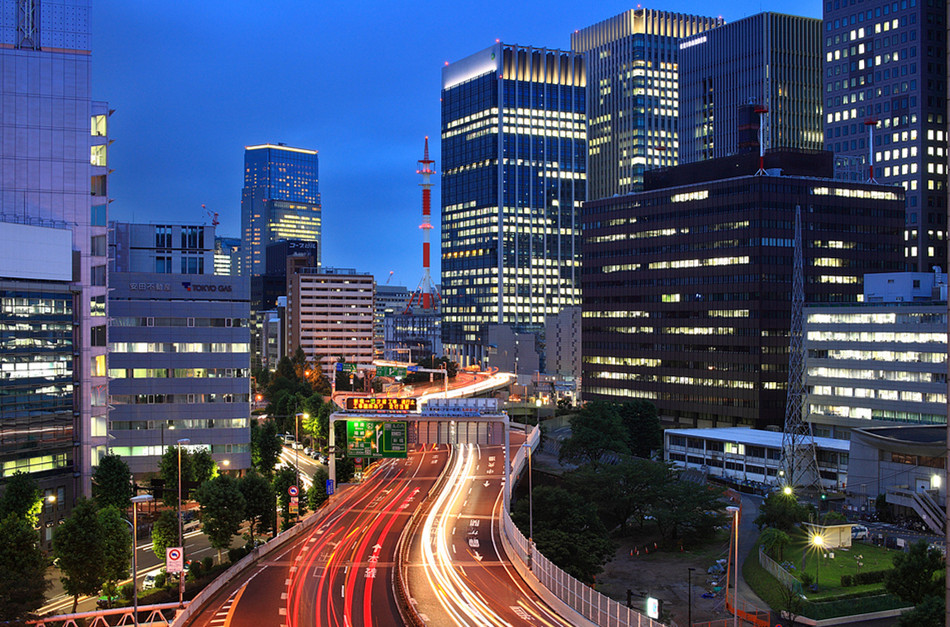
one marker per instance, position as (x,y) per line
(297,418)
(142,498)
(689,592)
(181,534)
(818,541)
(735,564)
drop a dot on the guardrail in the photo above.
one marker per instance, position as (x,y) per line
(571,599)
(155,613)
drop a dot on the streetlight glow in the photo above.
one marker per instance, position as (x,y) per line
(787,490)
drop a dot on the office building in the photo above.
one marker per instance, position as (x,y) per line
(749,456)
(330,316)
(885,64)
(227,256)
(632,101)
(179,348)
(390,300)
(562,347)
(767,61)
(880,362)
(514,177)
(687,286)
(54,166)
(280,200)
(37,393)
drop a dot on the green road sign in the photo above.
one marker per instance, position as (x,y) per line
(376,438)
(390,371)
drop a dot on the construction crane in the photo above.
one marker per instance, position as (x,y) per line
(390,278)
(211,214)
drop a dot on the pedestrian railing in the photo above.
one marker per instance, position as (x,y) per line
(775,569)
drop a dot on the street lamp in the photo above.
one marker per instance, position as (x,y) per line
(181,535)
(818,541)
(689,592)
(142,498)
(735,564)
(297,418)
(787,490)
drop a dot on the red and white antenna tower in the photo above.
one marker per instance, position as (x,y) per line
(426,296)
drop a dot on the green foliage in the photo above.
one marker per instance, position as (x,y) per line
(164,533)
(168,470)
(869,576)
(567,531)
(621,492)
(117,548)
(265,446)
(774,541)
(781,511)
(21,496)
(807,578)
(345,469)
(642,425)
(22,568)
(205,468)
(595,430)
(79,545)
(687,510)
(912,579)
(112,483)
(259,502)
(222,510)
(834,518)
(283,479)
(929,613)
(317,494)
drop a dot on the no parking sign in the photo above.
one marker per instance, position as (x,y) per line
(174,559)
(293,491)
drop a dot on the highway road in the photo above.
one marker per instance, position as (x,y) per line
(458,573)
(340,573)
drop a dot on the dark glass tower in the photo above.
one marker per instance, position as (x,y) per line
(770,61)
(280,200)
(514,177)
(885,63)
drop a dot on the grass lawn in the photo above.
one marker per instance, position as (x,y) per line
(859,558)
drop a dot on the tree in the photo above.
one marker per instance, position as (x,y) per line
(164,533)
(112,483)
(621,491)
(222,510)
(22,569)
(567,531)
(774,542)
(912,579)
(642,425)
(259,501)
(317,494)
(688,510)
(595,430)
(929,613)
(117,549)
(781,511)
(283,479)
(205,468)
(21,496)
(168,470)
(79,545)
(265,446)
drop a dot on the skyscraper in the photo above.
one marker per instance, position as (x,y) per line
(514,148)
(632,102)
(280,200)
(885,66)
(53,173)
(767,61)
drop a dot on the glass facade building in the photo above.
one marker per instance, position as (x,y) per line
(769,59)
(514,146)
(280,201)
(885,63)
(687,288)
(54,166)
(632,105)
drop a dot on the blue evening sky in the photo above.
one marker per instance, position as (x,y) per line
(192,83)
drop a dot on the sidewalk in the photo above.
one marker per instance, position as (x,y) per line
(748,532)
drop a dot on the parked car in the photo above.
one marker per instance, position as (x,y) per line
(307,450)
(149,582)
(859,532)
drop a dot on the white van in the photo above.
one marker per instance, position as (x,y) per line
(859,532)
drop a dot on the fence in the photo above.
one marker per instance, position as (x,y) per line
(574,595)
(776,570)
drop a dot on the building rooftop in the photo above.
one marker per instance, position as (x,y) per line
(756,437)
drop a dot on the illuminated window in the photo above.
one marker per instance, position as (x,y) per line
(99,126)
(98,155)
